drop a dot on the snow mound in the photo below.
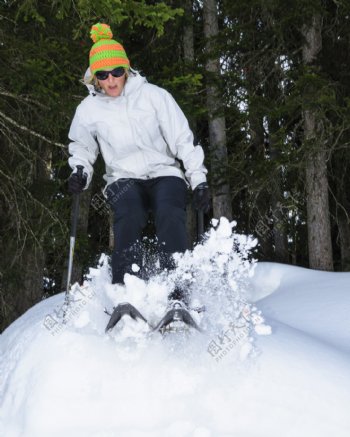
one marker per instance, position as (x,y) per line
(75,380)
(315,302)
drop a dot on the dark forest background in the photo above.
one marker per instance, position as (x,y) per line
(265,85)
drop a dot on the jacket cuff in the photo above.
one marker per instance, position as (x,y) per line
(196,179)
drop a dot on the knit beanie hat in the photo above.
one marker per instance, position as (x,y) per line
(106,53)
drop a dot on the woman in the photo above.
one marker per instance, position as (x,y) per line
(141,133)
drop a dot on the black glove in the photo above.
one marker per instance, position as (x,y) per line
(77,181)
(201,197)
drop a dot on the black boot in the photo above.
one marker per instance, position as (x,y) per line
(176,318)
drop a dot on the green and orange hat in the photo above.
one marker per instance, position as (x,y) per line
(106,53)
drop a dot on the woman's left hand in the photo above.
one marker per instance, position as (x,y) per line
(201,197)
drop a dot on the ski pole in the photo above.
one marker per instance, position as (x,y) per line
(73,233)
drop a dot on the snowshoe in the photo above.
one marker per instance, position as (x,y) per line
(121,310)
(177,318)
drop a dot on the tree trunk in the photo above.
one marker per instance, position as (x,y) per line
(188,53)
(318,219)
(279,232)
(343,222)
(188,34)
(260,214)
(32,287)
(261,211)
(279,213)
(217,125)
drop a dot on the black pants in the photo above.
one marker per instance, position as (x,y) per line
(131,201)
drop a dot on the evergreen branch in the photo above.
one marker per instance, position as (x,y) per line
(26,129)
(23,98)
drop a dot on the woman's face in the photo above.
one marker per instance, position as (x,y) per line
(113,86)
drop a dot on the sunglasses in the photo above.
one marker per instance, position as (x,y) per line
(117,72)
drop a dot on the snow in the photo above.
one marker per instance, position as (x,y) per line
(273,359)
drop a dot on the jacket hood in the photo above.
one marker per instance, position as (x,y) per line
(133,83)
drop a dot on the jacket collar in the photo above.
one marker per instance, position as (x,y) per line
(133,83)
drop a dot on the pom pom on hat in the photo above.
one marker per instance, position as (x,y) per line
(106,53)
(100,31)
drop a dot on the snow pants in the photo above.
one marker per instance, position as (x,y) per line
(132,200)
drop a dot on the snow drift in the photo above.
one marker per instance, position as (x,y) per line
(72,379)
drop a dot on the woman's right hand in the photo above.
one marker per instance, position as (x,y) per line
(77,181)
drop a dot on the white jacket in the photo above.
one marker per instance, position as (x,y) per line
(140,134)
